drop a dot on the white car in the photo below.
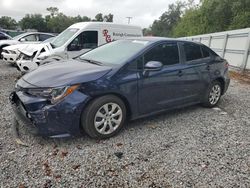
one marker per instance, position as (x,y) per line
(25,38)
(12,53)
(74,41)
(27,59)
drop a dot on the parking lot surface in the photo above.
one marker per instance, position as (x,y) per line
(189,147)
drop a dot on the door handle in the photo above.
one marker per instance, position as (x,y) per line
(208,67)
(180,73)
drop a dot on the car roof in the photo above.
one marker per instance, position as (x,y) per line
(159,39)
(81,25)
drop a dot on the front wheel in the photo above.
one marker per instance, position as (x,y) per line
(213,94)
(104,117)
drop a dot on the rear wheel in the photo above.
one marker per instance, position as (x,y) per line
(213,94)
(104,117)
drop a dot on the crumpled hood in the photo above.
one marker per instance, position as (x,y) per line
(64,73)
(29,49)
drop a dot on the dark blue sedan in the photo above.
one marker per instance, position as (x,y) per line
(122,80)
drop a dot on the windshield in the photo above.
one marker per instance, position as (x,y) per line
(116,52)
(62,38)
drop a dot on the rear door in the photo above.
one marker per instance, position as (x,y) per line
(196,70)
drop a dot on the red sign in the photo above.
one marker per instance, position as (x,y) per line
(106,35)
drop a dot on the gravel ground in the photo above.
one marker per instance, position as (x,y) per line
(190,147)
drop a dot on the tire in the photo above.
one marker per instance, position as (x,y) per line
(213,94)
(104,117)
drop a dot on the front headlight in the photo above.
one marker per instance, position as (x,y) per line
(54,95)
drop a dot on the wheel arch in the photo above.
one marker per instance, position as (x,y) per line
(120,96)
(222,82)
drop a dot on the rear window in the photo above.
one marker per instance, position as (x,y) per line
(192,51)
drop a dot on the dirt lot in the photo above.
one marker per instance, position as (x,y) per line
(191,147)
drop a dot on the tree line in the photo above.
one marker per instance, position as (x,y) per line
(54,22)
(186,18)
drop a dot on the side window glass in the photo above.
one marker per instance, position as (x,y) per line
(85,40)
(43,37)
(137,64)
(29,38)
(192,51)
(167,54)
(205,52)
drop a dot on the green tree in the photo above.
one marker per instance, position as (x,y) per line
(99,17)
(214,16)
(59,22)
(165,24)
(8,22)
(241,14)
(81,19)
(33,21)
(147,32)
(108,18)
(53,11)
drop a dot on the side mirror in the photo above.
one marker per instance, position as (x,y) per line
(22,40)
(153,66)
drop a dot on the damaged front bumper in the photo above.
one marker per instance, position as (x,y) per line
(21,115)
(40,118)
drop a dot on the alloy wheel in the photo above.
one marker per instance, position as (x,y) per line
(108,118)
(215,94)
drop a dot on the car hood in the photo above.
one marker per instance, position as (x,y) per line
(29,49)
(64,73)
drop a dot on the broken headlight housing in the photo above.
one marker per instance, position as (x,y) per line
(54,95)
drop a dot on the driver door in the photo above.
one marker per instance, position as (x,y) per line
(84,42)
(162,88)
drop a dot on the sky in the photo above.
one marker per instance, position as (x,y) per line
(143,12)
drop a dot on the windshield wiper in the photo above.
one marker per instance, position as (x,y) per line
(92,61)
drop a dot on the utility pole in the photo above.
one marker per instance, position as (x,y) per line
(129,19)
